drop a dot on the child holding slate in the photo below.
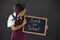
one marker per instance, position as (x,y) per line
(16,21)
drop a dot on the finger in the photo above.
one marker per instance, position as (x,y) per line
(46,27)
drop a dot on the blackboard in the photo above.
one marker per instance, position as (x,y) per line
(35,25)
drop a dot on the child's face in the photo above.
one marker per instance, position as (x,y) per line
(22,13)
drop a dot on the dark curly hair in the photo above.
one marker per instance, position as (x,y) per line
(19,7)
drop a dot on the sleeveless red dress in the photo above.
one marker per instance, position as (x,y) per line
(18,34)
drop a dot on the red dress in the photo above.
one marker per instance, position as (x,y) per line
(18,34)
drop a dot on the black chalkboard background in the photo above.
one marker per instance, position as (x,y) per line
(35,25)
(46,8)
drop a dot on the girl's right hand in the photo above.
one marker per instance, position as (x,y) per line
(24,21)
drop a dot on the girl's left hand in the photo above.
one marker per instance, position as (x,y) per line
(46,27)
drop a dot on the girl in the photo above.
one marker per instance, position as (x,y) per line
(16,21)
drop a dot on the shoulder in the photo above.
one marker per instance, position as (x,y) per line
(10,22)
(10,17)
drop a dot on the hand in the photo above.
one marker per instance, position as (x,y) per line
(46,27)
(24,21)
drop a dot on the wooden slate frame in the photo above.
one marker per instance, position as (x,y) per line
(43,34)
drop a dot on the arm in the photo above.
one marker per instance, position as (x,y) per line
(18,26)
